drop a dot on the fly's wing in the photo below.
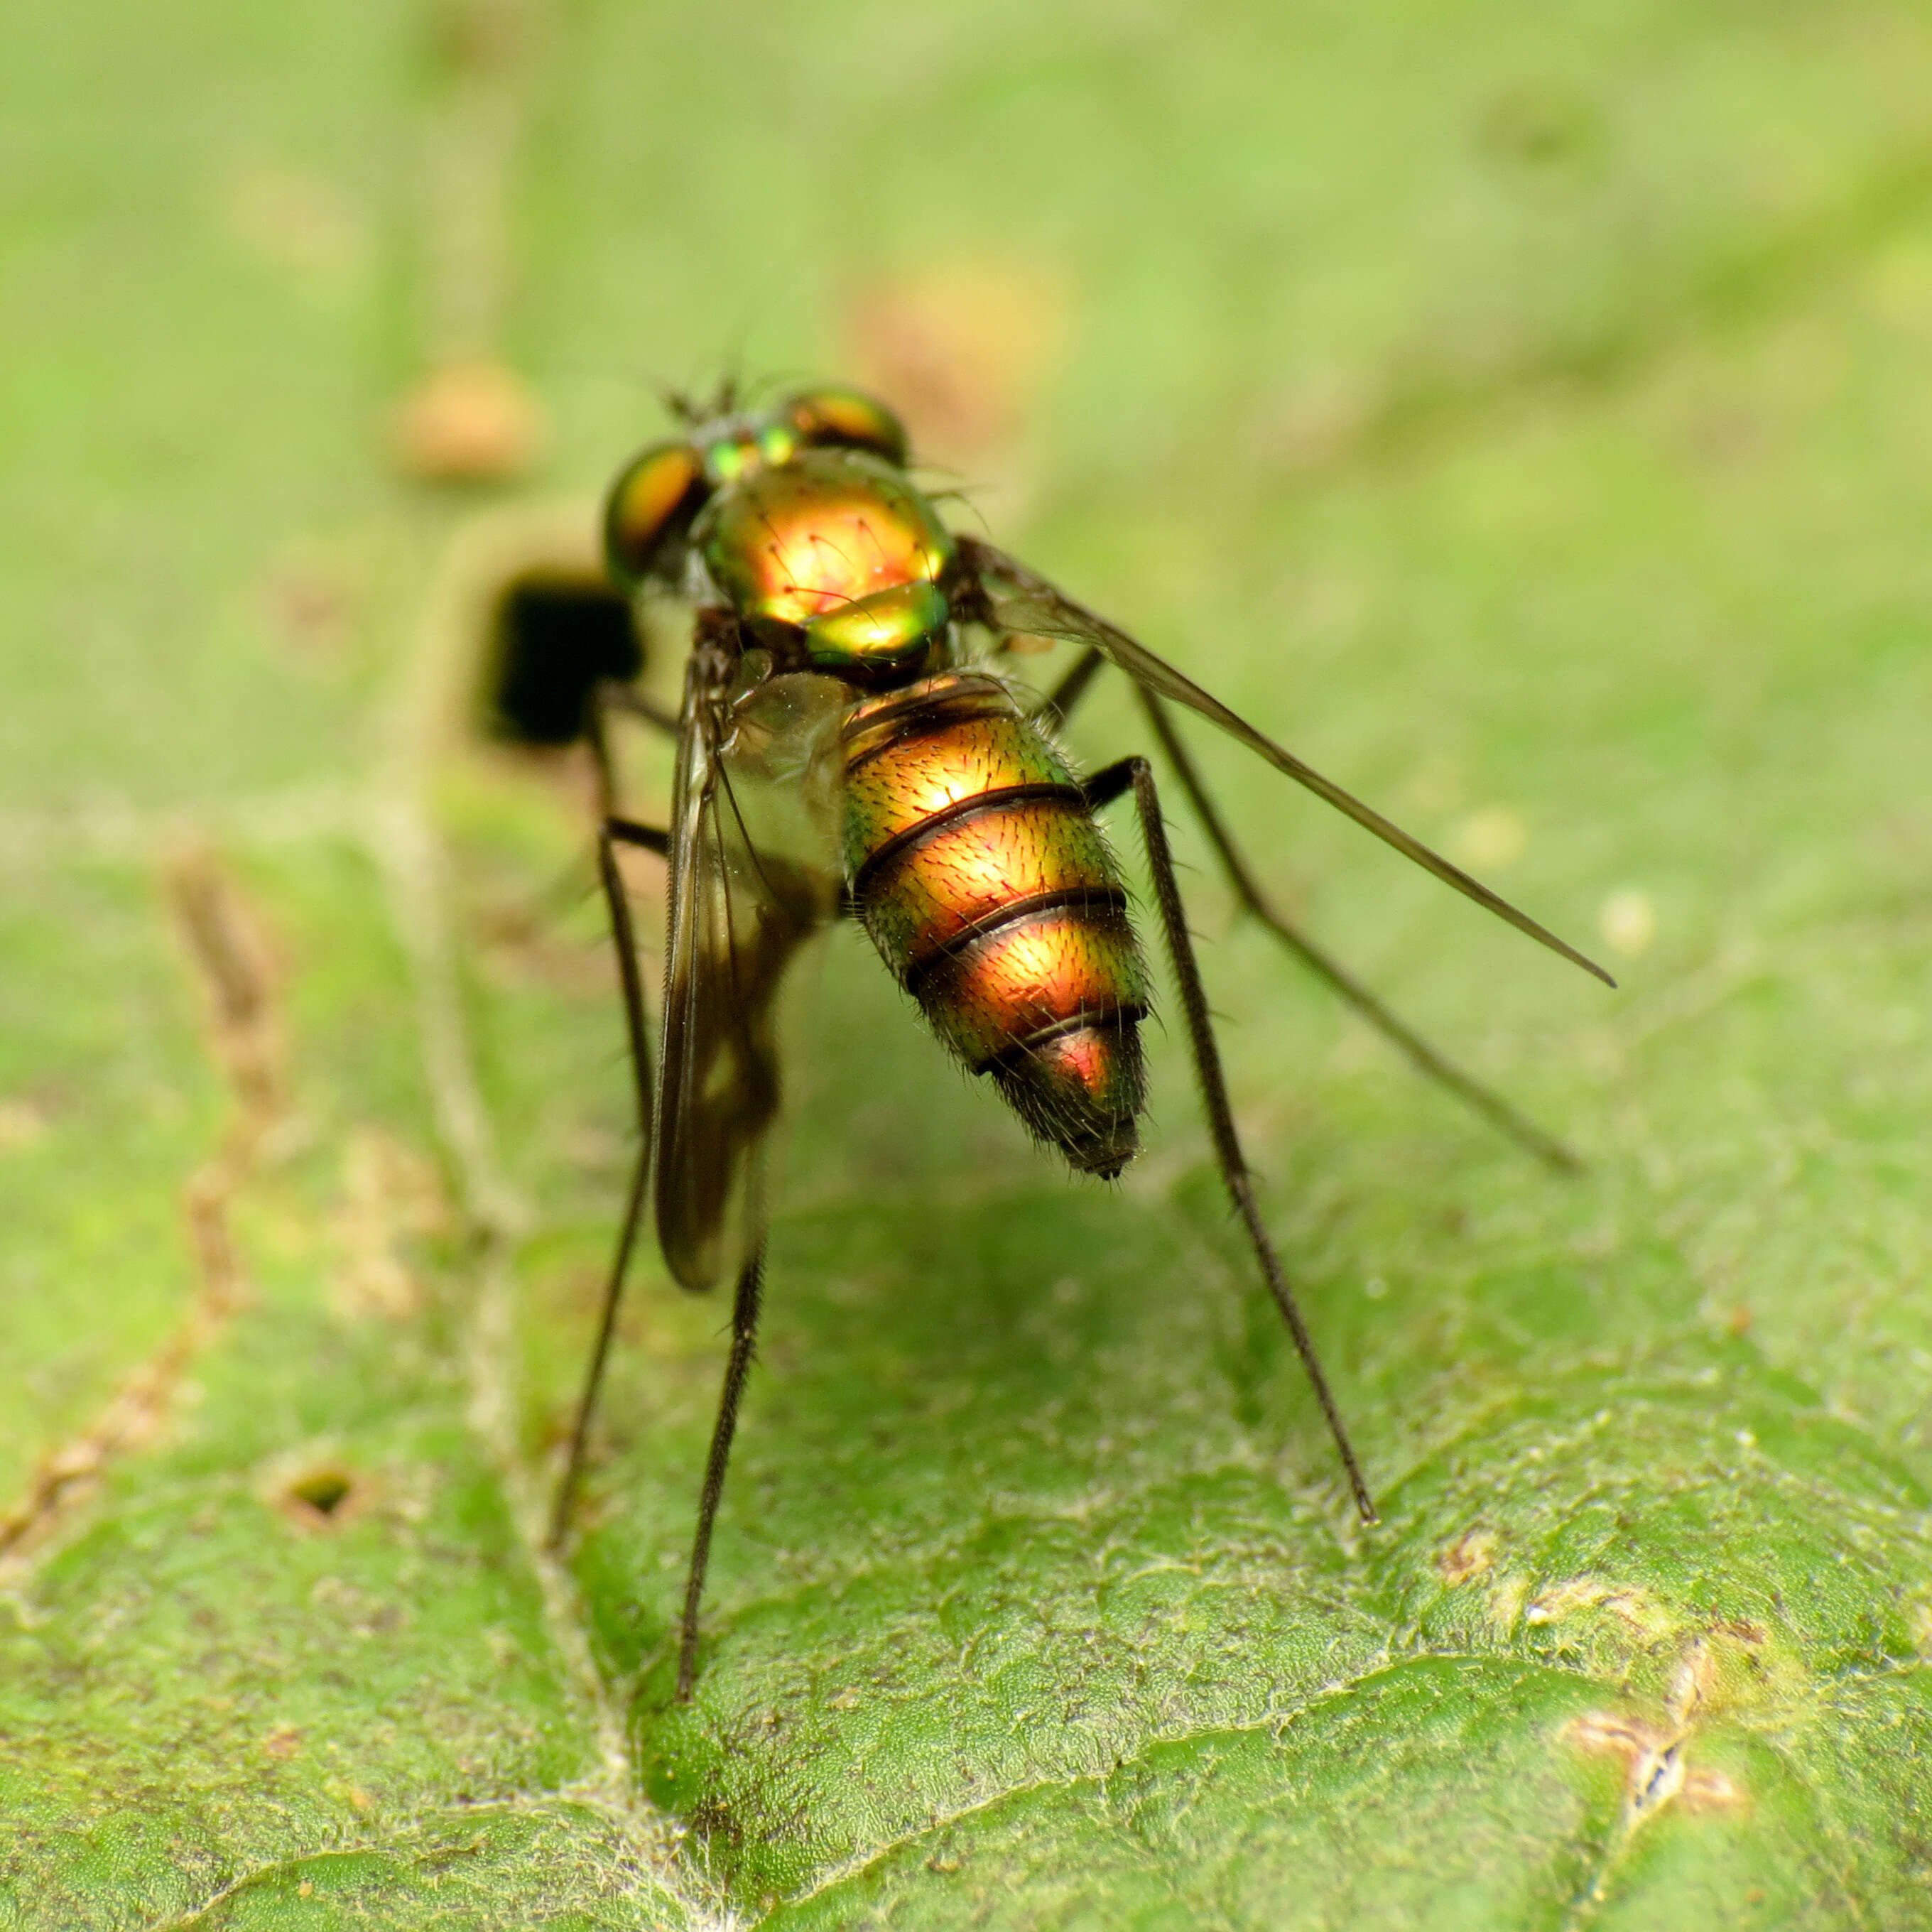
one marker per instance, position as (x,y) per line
(1015,599)
(747,891)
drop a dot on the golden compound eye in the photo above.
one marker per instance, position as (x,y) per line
(653,501)
(847,419)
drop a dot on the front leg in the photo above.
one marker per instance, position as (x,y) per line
(623,934)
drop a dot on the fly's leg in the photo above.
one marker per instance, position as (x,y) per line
(1492,1106)
(1136,775)
(616,831)
(608,697)
(639,704)
(744,1306)
(1057,707)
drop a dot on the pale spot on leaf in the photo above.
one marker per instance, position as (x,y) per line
(1436,785)
(1490,838)
(390,1193)
(1657,1757)
(1628,922)
(297,219)
(22,1123)
(1636,1609)
(1506,1600)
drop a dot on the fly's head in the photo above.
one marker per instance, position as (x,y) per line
(656,501)
(805,521)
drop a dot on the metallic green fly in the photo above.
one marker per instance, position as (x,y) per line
(851,744)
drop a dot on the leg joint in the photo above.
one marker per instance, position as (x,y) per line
(1110,781)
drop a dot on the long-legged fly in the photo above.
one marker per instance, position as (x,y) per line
(849,746)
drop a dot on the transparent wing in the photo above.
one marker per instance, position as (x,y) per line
(1015,599)
(753,877)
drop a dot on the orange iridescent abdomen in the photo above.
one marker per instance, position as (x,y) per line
(978,869)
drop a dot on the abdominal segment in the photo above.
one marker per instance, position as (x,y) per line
(977,868)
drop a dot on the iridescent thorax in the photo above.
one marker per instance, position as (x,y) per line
(791,541)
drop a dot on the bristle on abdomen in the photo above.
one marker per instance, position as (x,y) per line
(978,869)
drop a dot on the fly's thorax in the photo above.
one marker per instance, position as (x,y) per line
(977,866)
(835,561)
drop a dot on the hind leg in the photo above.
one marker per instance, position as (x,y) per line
(1136,775)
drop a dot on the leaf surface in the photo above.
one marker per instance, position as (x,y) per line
(1526,417)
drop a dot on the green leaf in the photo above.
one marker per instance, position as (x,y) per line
(1520,415)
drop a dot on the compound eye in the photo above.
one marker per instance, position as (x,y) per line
(652,503)
(847,419)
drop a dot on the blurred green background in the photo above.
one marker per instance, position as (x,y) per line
(1523,413)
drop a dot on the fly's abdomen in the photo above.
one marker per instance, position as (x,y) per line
(978,869)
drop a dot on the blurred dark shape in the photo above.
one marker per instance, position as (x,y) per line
(555,638)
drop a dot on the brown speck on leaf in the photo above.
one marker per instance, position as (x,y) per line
(311,607)
(229,956)
(473,420)
(479,36)
(959,346)
(284,1742)
(360,1798)
(322,1497)
(235,961)
(1469,1555)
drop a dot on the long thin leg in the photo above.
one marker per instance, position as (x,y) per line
(745,1307)
(1492,1106)
(624,937)
(1137,774)
(1054,709)
(597,739)
(628,697)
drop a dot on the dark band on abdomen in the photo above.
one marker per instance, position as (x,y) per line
(1094,899)
(959,810)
